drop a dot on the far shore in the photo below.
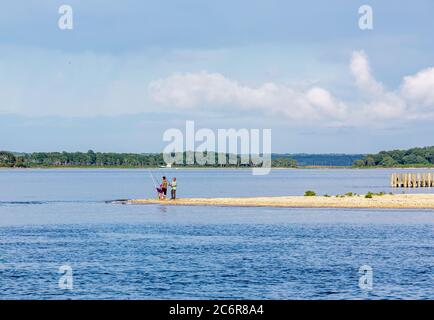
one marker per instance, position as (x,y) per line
(218,168)
(395,201)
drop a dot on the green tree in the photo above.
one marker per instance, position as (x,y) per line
(284,162)
(91,157)
(370,160)
(388,161)
(7,159)
(360,163)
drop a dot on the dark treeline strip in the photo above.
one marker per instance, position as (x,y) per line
(399,158)
(110,159)
(326,160)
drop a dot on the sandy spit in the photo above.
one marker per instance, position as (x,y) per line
(397,201)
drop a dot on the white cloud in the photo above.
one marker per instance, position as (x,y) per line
(361,71)
(376,105)
(420,87)
(203,90)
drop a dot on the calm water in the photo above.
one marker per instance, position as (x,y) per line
(50,218)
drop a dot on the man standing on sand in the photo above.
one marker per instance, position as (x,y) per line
(164,187)
(173,191)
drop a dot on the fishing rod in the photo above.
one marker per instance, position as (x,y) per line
(125,201)
(152,177)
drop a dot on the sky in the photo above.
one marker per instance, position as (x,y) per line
(129,70)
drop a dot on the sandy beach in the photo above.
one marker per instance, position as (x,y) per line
(397,201)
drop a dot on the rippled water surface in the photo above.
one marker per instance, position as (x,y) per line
(50,218)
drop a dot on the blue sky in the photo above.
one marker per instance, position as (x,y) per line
(129,70)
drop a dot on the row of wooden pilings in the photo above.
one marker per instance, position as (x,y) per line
(412,180)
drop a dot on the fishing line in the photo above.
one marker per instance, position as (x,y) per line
(152,177)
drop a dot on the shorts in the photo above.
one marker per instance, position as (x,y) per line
(164,191)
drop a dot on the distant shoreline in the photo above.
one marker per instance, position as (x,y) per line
(217,168)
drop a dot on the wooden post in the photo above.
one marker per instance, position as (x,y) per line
(412,180)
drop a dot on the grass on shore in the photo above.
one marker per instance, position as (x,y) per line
(369,194)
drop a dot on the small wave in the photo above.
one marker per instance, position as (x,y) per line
(5,203)
(21,202)
(117,201)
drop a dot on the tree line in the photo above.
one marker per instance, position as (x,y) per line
(398,158)
(324,160)
(111,159)
(395,158)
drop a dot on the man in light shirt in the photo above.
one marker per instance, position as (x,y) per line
(173,190)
